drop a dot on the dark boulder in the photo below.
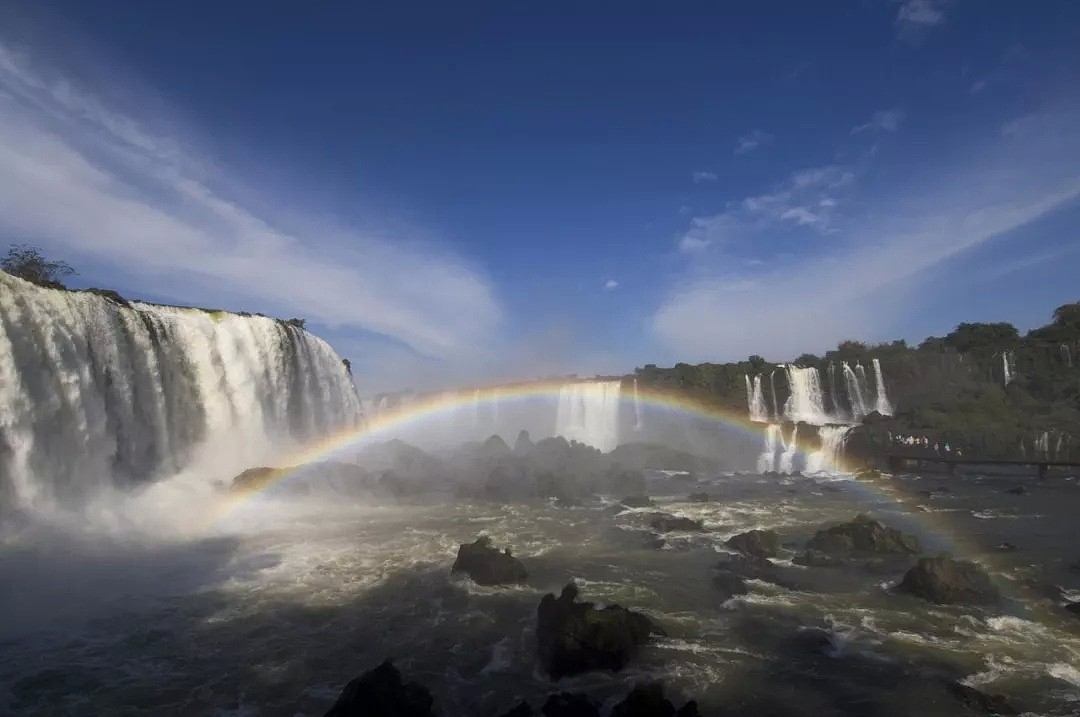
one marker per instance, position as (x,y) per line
(1018,490)
(254,478)
(664,523)
(568,704)
(637,501)
(863,535)
(486,565)
(1074,608)
(729,583)
(699,498)
(874,418)
(574,637)
(756,543)
(649,701)
(521,709)
(946,581)
(980,702)
(817,559)
(381,693)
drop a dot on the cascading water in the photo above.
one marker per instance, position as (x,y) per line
(881,405)
(854,392)
(766,462)
(1066,355)
(787,458)
(589,412)
(827,458)
(1042,445)
(864,384)
(638,425)
(834,391)
(756,399)
(772,387)
(1006,369)
(95,395)
(806,400)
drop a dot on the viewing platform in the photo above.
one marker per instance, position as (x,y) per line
(900,461)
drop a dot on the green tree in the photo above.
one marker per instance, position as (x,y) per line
(1068,316)
(27,262)
(972,337)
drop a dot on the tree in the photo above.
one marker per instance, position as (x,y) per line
(807,360)
(1068,316)
(27,262)
(756,362)
(994,336)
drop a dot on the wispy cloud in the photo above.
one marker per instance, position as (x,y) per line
(883,120)
(915,18)
(611,285)
(978,86)
(862,276)
(751,141)
(93,182)
(700,177)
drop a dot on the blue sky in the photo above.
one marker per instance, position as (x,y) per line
(455,192)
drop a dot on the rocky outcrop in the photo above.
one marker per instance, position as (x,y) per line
(1074,608)
(817,559)
(946,581)
(756,543)
(649,701)
(486,565)
(979,702)
(863,535)
(523,444)
(574,637)
(664,523)
(381,693)
(254,478)
(733,572)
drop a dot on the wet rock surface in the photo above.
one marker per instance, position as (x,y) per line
(946,581)
(488,566)
(382,693)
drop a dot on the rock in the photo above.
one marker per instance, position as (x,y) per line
(381,693)
(486,565)
(1018,490)
(699,498)
(567,704)
(874,417)
(1074,608)
(730,584)
(522,709)
(654,541)
(943,489)
(756,543)
(946,581)
(111,296)
(523,444)
(980,702)
(862,535)
(637,501)
(649,701)
(574,637)
(664,523)
(1004,547)
(254,478)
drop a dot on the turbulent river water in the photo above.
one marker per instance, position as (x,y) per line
(272,608)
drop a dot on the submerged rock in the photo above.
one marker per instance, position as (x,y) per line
(486,565)
(946,581)
(665,523)
(980,702)
(568,704)
(637,501)
(863,535)
(817,559)
(574,637)
(649,701)
(1018,490)
(756,543)
(381,693)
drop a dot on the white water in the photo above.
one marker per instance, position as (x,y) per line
(756,399)
(882,404)
(638,425)
(1042,445)
(1066,355)
(854,392)
(827,458)
(1006,370)
(864,384)
(834,391)
(772,386)
(766,462)
(787,458)
(588,412)
(806,402)
(96,396)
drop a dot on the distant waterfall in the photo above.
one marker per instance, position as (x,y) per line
(1042,445)
(756,399)
(864,383)
(766,462)
(637,408)
(1006,370)
(834,392)
(827,458)
(787,458)
(854,392)
(1066,355)
(772,387)
(95,395)
(882,404)
(588,412)
(806,400)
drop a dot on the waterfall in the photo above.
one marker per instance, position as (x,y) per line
(834,391)
(756,399)
(854,391)
(772,386)
(827,458)
(806,400)
(1066,355)
(1042,445)
(787,458)
(864,385)
(766,462)
(1059,455)
(588,412)
(1005,367)
(96,395)
(882,404)
(637,408)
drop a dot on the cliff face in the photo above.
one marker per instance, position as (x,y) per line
(983,388)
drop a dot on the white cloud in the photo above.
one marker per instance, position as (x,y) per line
(801,216)
(611,285)
(884,120)
(749,142)
(689,244)
(915,18)
(977,86)
(91,182)
(700,177)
